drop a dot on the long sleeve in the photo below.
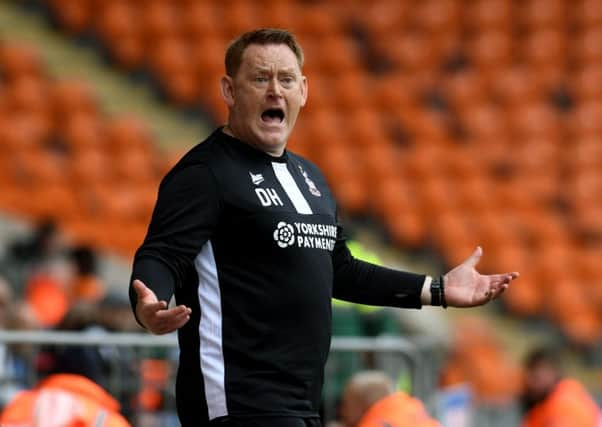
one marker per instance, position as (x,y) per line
(183,220)
(361,282)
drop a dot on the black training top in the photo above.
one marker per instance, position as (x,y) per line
(251,244)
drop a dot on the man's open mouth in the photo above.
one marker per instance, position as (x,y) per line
(273,115)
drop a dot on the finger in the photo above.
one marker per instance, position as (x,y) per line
(168,322)
(142,291)
(498,281)
(175,325)
(173,312)
(473,260)
(499,291)
(502,278)
(153,307)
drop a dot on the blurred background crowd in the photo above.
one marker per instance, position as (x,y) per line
(440,125)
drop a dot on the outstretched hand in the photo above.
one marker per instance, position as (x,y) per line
(154,314)
(466,287)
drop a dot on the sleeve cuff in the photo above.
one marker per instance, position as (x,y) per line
(425,294)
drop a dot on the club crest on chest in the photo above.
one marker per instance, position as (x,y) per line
(310,184)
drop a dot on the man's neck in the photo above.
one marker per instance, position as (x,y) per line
(227,129)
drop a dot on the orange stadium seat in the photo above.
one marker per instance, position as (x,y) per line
(588,13)
(527,301)
(382,19)
(314,20)
(38,167)
(490,14)
(363,127)
(409,52)
(485,121)
(517,85)
(123,133)
(336,54)
(159,19)
(491,51)
(587,119)
(474,191)
(135,165)
(70,97)
(437,16)
(73,15)
(170,61)
(206,56)
(55,201)
(535,120)
(390,93)
(587,46)
(380,162)
(169,55)
(278,14)
(584,327)
(20,132)
(18,61)
(427,128)
(585,83)
(118,27)
(392,197)
(199,20)
(407,230)
(465,90)
(585,155)
(540,14)
(82,132)
(27,93)
(545,48)
(90,167)
(241,17)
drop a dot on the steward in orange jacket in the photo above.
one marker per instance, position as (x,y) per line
(567,405)
(370,401)
(63,400)
(397,410)
(550,400)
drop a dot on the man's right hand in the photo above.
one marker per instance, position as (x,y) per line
(154,314)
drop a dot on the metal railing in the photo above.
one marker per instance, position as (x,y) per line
(417,359)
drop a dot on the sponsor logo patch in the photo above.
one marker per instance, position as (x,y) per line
(305,235)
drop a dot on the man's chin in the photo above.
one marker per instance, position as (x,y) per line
(273,138)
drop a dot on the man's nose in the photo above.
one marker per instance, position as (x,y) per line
(274,88)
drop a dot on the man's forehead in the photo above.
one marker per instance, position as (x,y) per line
(268,55)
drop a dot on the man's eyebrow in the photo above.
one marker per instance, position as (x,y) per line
(259,68)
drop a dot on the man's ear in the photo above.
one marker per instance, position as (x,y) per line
(304,89)
(227,87)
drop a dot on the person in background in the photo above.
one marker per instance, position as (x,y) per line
(86,286)
(63,400)
(550,399)
(369,400)
(14,358)
(28,254)
(76,359)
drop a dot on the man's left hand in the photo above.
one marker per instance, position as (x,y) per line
(466,287)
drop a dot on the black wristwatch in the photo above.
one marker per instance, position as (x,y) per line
(438,292)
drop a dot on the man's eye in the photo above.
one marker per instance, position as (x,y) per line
(261,79)
(287,80)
